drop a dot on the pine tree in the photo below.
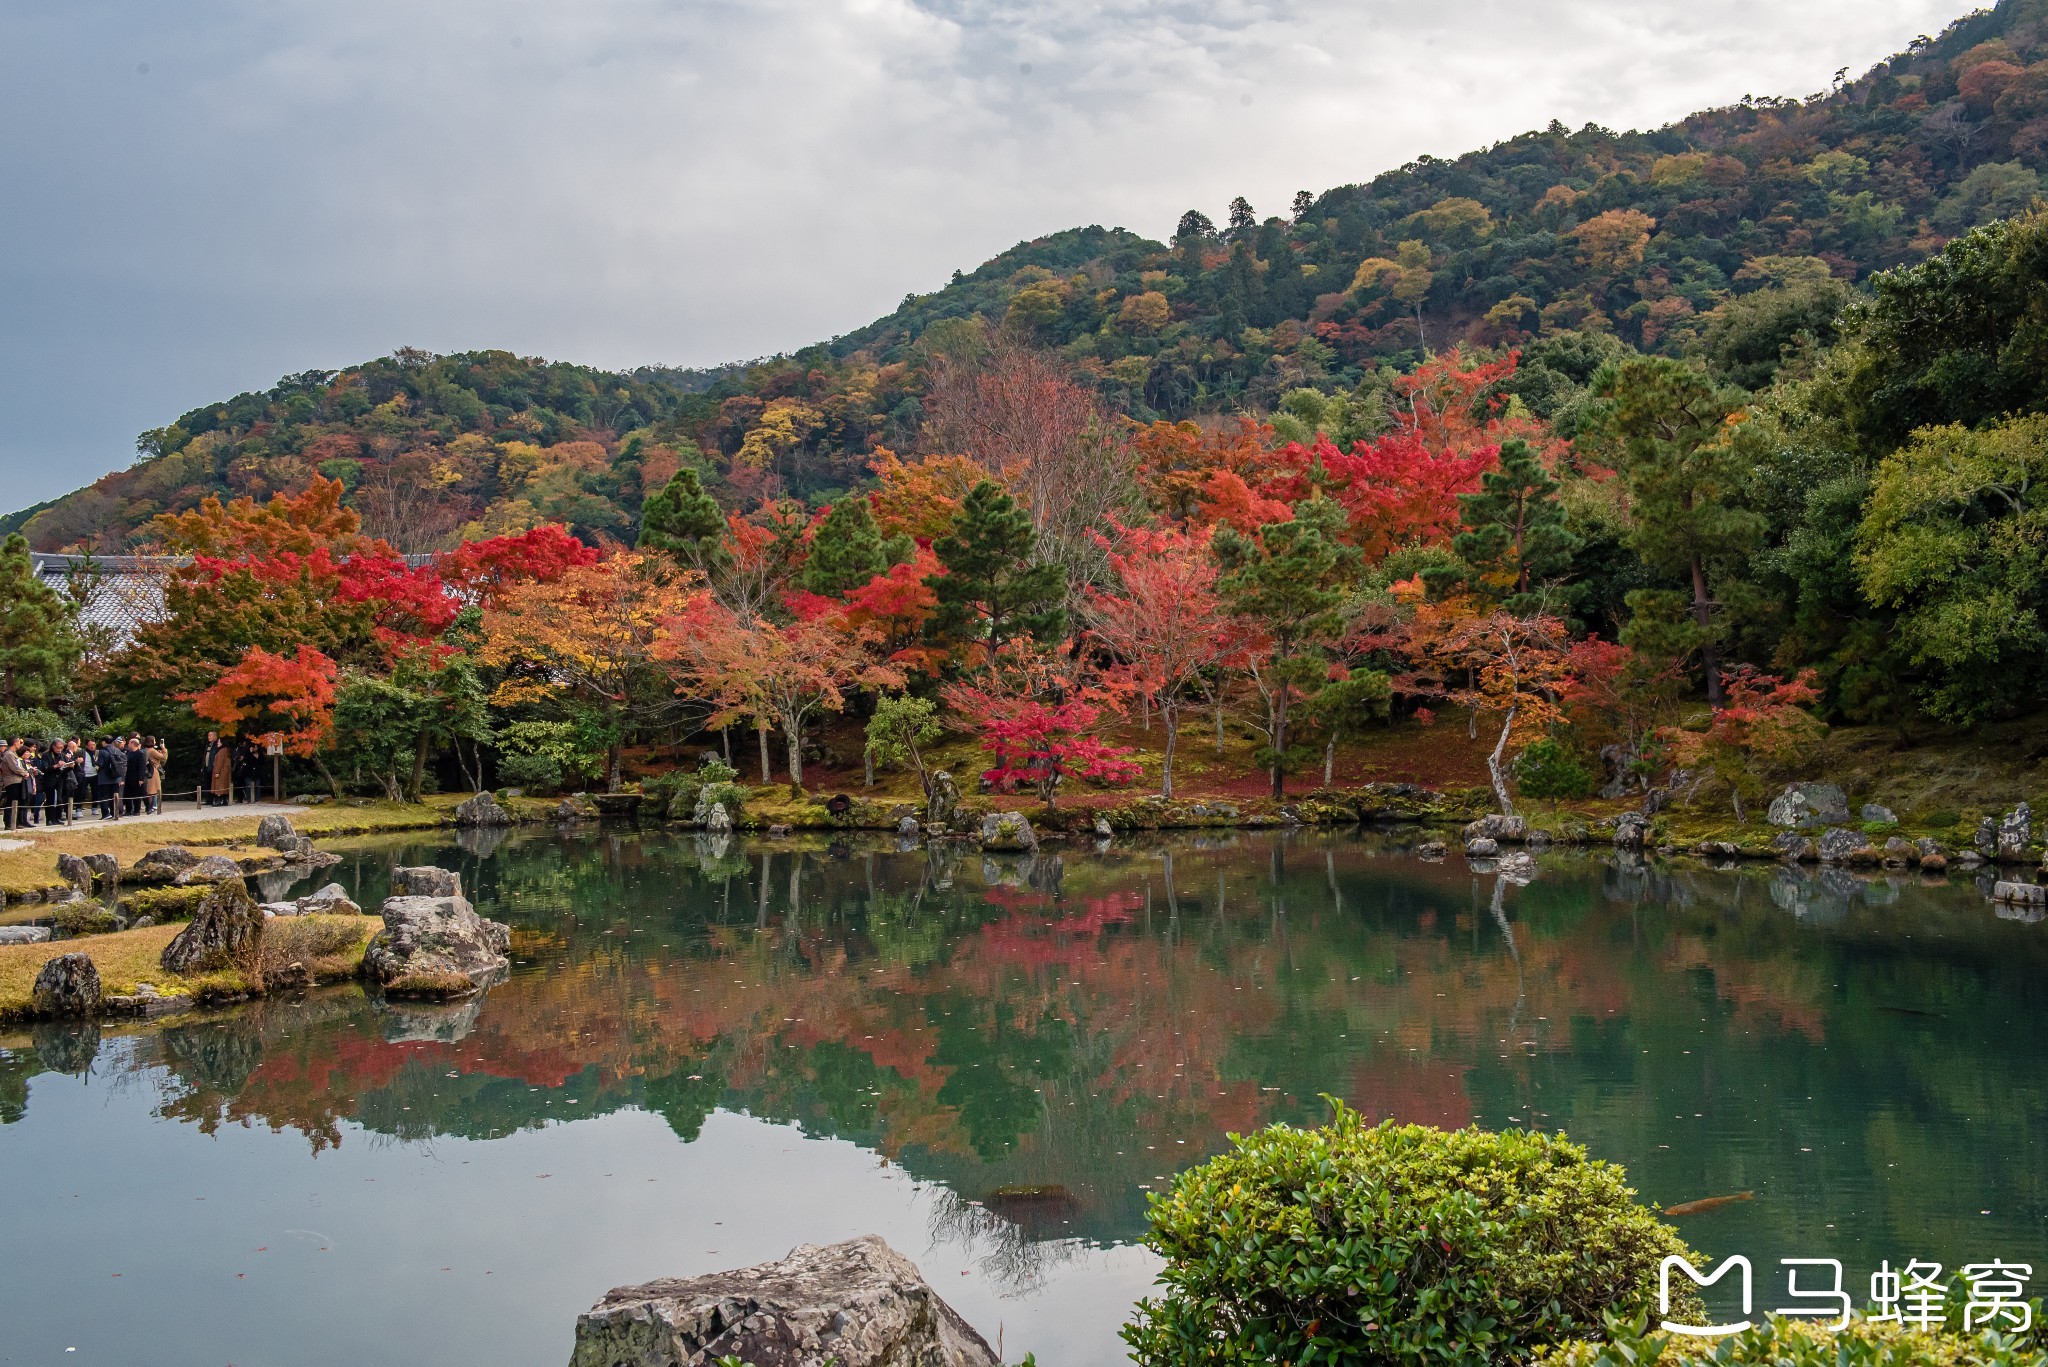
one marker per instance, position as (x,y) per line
(1303,202)
(992,592)
(684,522)
(1515,546)
(846,550)
(1242,219)
(1664,425)
(1289,582)
(39,642)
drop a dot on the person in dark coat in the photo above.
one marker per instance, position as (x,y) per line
(136,782)
(56,776)
(112,778)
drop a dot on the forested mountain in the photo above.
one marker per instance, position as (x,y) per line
(1735,236)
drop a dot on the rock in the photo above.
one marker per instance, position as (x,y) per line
(1845,845)
(1796,848)
(778,829)
(1103,829)
(161,866)
(907,827)
(215,868)
(436,947)
(576,807)
(276,832)
(943,799)
(1899,852)
(1630,830)
(1432,849)
(105,869)
(1987,837)
(23,935)
(482,810)
(2011,894)
(272,910)
(1517,867)
(1718,849)
(717,820)
(2015,833)
(1503,829)
(332,900)
(68,985)
(1926,845)
(148,1003)
(1539,840)
(1809,804)
(1481,847)
(1879,813)
(73,870)
(424,880)
(1934,863)
(227,929)
(1007,831)
(853,1304)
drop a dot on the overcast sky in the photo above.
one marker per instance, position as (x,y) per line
(201,196)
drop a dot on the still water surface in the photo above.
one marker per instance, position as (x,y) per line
(710,1052)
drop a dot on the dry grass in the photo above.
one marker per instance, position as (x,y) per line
(330,947)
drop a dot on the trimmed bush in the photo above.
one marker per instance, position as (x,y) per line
(164,904)
(1547,770)
(538,774)
(1395,1244)
(1780,1342)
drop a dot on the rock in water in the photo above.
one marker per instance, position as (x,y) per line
(332,900)
(276,832)
(1517,867)
(1845,845)
(577,807)
(161,866)
(1103,830)
(1481,847)
(944,799)
(2015,833)
(1987,837)
(1630,830)
(907,827)
(105,868)
(424,880)
(436,947)
(69,985)
(227,929)
(215,868)
(482,810)
(718,821)
(1809,804)
(1007,832)
(74,871)
(855,1304)
(1498,828)
(2020,894)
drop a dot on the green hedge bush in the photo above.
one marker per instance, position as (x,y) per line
(1777,1342)
(1356,1243)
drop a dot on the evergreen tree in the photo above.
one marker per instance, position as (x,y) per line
(992,592)
(684,522)
(846,550)
(1345,707)
(1289,581)
(1515,546)
(1194,223)
(1241,218)
(39,642)
(1303,202)
(1664,425)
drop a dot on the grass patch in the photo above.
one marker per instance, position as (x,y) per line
(164,903)
(329,946)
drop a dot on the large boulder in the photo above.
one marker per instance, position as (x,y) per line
(716,820)
(332,900)
(68,985)
(75,871)
(227,929)
(943,801)
(425,880)
(1630,831)
(2015,833)
(1847,845)
(2019,894)
(854,1304)
(1505,830)
(161,866)
(577,807)
(436,947)
(23,935)
(1481,847)
(276,832)
(1010,832)
(1879,813)
(105,869)
(215,868)
(482,810)
(1807,805)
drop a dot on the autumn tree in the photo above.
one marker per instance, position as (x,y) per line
(1163,619)
(1286,584)
(288,700)
(992,590)
(590,642)
(1515,668)
(1041,741)
(1765,719)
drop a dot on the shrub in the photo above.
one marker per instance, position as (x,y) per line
(1547,770)
(1942,818)
(32,723)
(72,919)
(164,904)
(1777,1342)
(683,791)
(1880,827)
(1394,1243)
(534,773)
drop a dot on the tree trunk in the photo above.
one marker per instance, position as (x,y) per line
(1330,759)
(333,783)
(1217,704)
(867,768)
(1709,657)
(762,730)
(614,766)
(1280,743)
(1494,769)
(794,733)
(1169,715)
(419,770)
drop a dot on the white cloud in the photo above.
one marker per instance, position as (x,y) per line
(616,181)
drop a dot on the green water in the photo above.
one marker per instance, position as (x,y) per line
(710,1052)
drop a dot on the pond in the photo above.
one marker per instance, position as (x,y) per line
(710,1051)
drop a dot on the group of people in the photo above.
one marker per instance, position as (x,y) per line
(231,770)
(52,781)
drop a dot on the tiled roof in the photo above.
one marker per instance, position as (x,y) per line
(118,592)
